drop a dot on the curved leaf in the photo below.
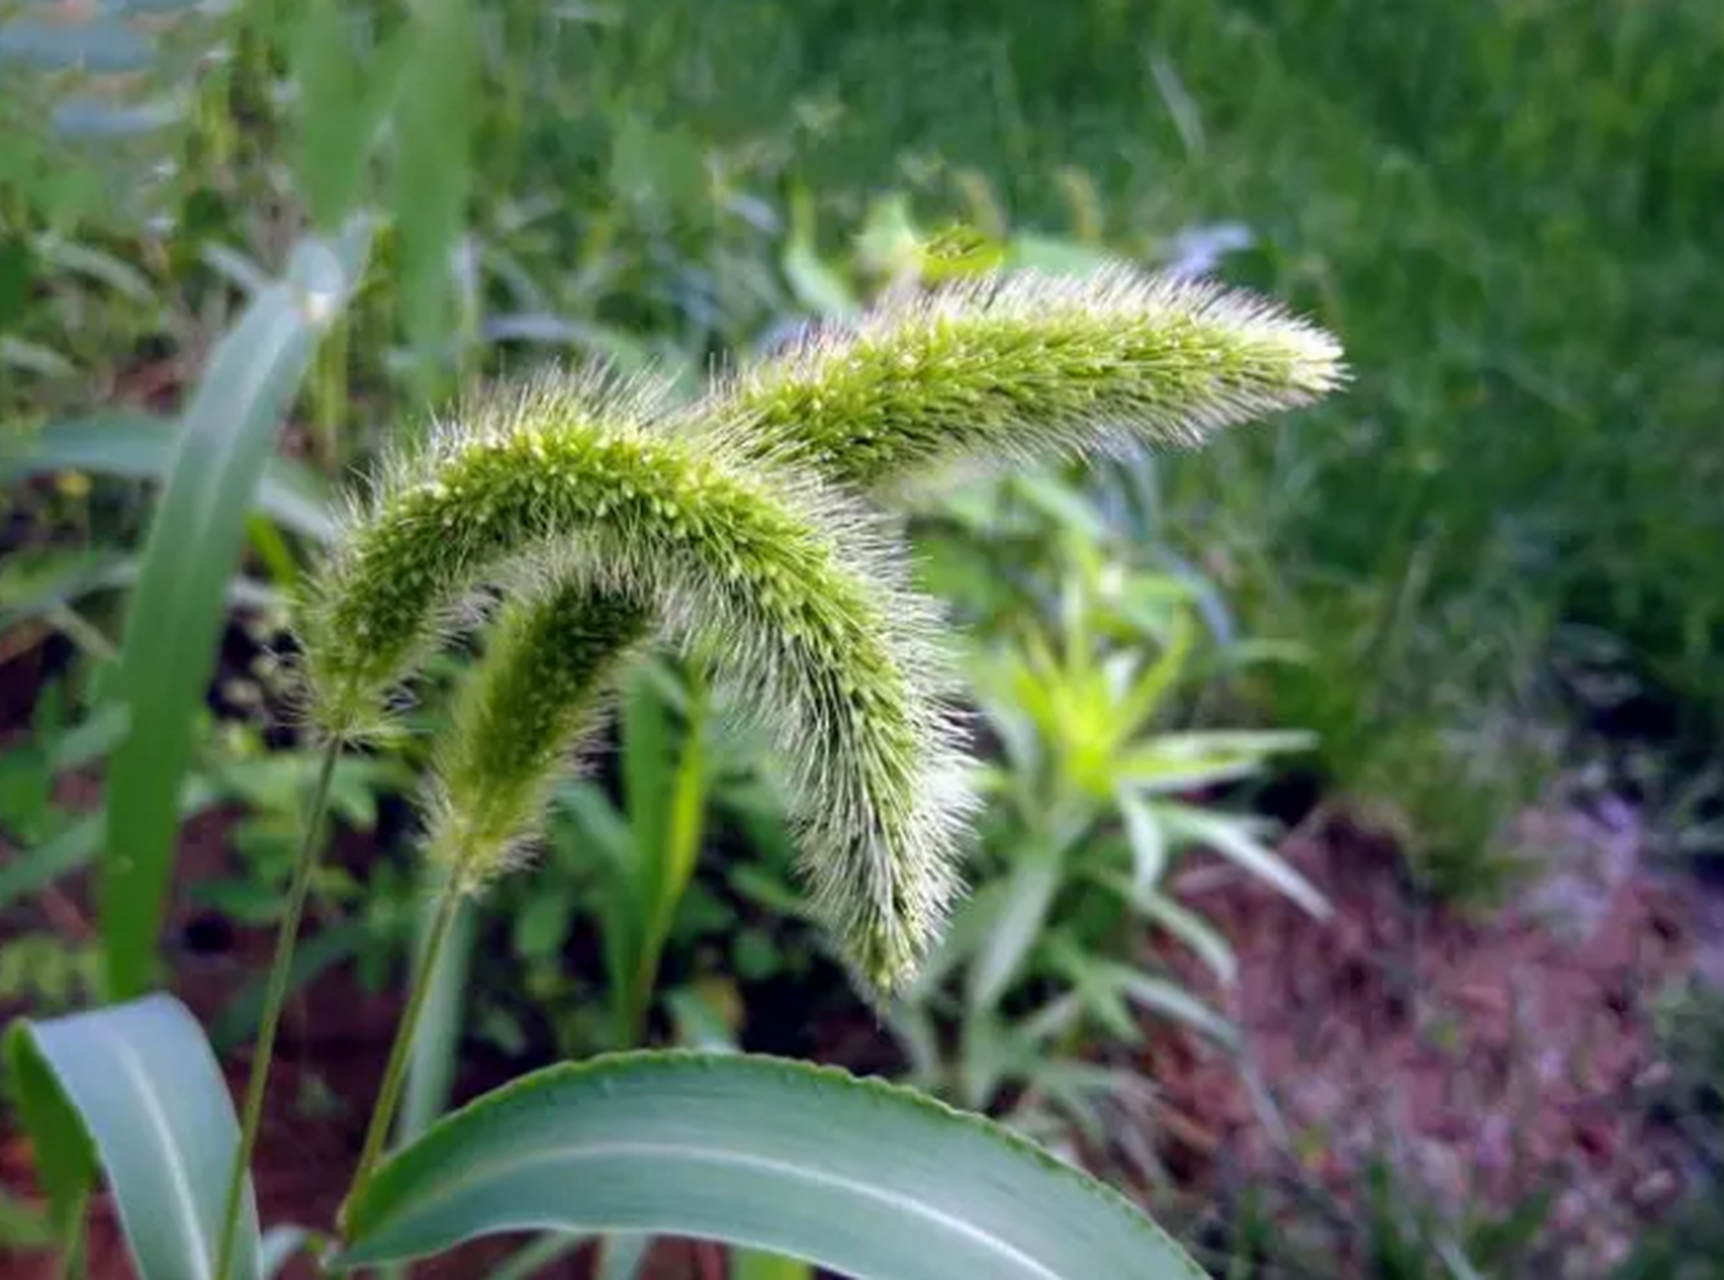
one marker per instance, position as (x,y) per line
(147,1090)
(64,1158)
(869,1179)
(224,444)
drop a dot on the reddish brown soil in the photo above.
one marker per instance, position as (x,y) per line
(1483,1059)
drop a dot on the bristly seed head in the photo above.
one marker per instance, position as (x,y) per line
(723,523)
(543,687)
(796,588)
(1028,366)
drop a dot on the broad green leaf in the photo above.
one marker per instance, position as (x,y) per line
(864,1178)
(141,446)
(148,1092)
(174,621)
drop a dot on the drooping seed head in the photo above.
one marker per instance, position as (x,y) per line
(796,587)
(543,687)
(1028,366)
(1017,367)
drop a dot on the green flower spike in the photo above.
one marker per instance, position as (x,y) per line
(792,585)
(1017,367)
(1027,366)
(550,665)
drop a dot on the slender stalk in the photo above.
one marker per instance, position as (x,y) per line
(274,999)
(395,1074)
(74,1264)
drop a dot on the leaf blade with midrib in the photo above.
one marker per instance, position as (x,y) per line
(870,1179)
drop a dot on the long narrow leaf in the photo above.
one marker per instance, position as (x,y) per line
(434,127)
(1233,841)
(147,1090)
(528,1261)
(65,1158)
(1189,927)
(864,1178)
(431,1067)
(141,446)
(74,849)
(110,573)
(1029,895)
(173,623)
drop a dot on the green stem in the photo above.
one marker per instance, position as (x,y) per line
(75,1263)
(395,1074)
(274,999)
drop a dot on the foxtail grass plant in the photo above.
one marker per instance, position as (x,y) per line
(751,528)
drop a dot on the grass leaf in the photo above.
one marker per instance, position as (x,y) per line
(168,652)
(862,1177)
(149,1093)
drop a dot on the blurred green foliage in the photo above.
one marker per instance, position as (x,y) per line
(1506,210)
(1087,661)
